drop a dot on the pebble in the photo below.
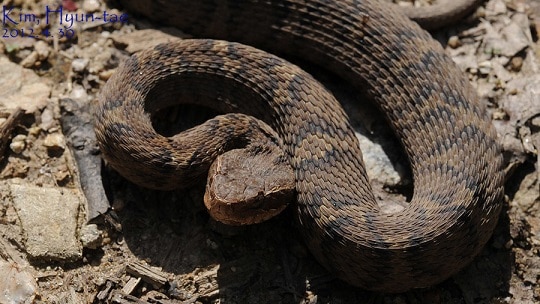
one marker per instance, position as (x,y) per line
(91,6)
(42,50)
(90,236)
(105,75)
(62,175)
(78,93)
(498,7)
(30,60)
(47,119)
(18,143)
(454,42)
(79,65)
(34,131)
(484,67)
(54,143)
(516,63)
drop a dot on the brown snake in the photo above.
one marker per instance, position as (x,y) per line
(440,14)
(434,111)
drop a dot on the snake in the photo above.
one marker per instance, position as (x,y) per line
(427,100)
(440,14)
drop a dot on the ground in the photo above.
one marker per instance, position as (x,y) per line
(66,240)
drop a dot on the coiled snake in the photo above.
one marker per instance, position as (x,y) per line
(451,145)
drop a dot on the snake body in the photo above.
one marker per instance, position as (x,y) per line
(435,112)
(441,13)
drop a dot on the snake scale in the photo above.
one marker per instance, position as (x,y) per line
(429,103)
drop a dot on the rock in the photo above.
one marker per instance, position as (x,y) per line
(55,143)
(79,93)
(496,8)
(47,119)
(91,6)
(21,87)
(17,285)
(507,41)
(78,65)
(30,60)
(485,67)
(18,143)
(90,236)
(454,42)
(42,50)
(49,219)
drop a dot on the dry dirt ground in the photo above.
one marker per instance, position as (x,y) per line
(60,244)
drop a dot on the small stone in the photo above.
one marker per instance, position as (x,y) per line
(454,42)
(62,176)
(78,65)
(34,131)
(105,75)
(105,34)
(78,93)
(47,119)
(55,143)
(485,67)
(516,63)
(480,12)
(497,7)
(90,236)
(91,6)
(17,147)
(499,114)
(18,143)
(30,60)
(42,50)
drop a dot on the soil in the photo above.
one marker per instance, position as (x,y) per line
(119,243)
